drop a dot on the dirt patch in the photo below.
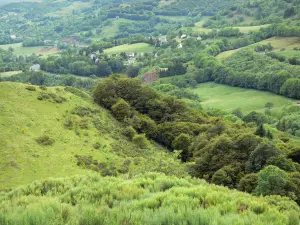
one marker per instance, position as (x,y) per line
(48,51)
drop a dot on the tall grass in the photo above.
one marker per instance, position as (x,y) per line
(152,198)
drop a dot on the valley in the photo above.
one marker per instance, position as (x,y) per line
(149,112)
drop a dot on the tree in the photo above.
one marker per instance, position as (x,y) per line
(141,141)
(248,183)
(182,142)
(271,181)
(220,177)
(258,158)
(269,105)
(260,131)
(238,112)
(121,109)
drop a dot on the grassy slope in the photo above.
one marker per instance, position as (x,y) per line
(23,118)
(288,43)
(139,47)
(153,199)
(229,98)
(39,50)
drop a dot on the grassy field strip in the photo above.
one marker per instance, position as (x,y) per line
(139,47)
(228,98)
(38,50)
(287,43)
(8,74)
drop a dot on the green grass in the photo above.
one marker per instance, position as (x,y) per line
(151,198)
(289,53)
(69,10)
(24,118)
(139,47)
(38,50)
(113,29)
(20,50)
(9,74)
(228,98)
(287,43)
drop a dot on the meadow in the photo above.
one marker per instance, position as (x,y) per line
(151,198)
(49,129)
(138,47)
(281,44)
(8,74)
(66,11)
(38,50)
(228,98)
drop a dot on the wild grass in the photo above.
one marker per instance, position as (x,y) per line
(20,50)
(152,198)
(25,118)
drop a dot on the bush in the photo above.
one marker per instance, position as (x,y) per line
(248,183)
(45,140)
(141,141)
(30,88)
(121,109)
(129,132)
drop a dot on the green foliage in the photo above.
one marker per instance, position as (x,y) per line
(248,183)
(151,198)
(45,140)
(258,158)
(121,110)
(129,132)
(271,181)
(141,141)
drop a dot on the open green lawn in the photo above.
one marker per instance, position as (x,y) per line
(228,98)
(138,47)
(8,74)
(287,43)
(24,118)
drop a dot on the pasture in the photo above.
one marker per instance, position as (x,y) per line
(278,43)
(9,74)
(228,98)
(38,50)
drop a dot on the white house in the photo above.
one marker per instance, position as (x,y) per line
(35,67)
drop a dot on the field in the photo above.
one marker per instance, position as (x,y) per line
(8,74)
(279,43)
(39,50)
(228,98)
(244,29)
(24,160)
(111,30)
(69,10)
(289,53)
(139,48)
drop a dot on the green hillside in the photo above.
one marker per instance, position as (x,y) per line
(38,117)
(152,198)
